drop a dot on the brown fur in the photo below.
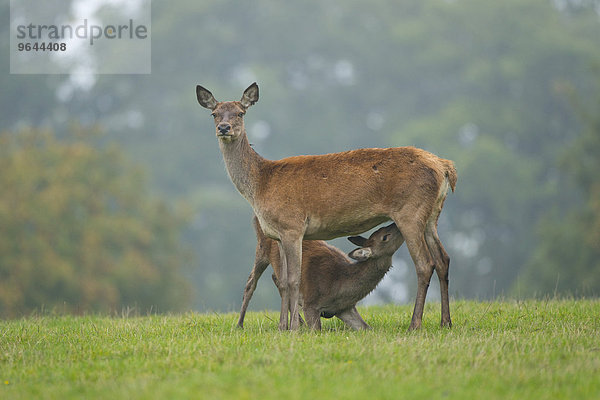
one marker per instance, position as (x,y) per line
(331,283)
(333,195)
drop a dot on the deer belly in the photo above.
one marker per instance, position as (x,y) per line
(330,228)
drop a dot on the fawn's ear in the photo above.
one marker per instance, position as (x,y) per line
(205,98)
(361,254)
(358,240)
(250,95)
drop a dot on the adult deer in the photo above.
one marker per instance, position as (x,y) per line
(331,284)
(339,194)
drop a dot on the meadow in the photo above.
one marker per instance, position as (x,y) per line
(509,349)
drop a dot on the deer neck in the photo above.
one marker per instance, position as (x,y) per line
(243,165)
(368,274)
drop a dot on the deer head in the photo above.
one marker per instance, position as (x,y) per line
(228,115)
(383,242)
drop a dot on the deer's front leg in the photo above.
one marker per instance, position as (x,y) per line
(283,290)
(292,247)
(260,265)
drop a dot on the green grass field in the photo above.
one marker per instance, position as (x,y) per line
(519,350)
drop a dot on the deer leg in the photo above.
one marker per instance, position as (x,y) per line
(259,267)
(424,265)
(292,248)
(283,290)
(442,266)
(313,317)
(352,318)
(276,282)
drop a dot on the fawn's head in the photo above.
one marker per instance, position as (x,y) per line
(382,243)
(228,115)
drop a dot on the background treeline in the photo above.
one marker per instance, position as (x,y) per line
(508,90)
(79,232)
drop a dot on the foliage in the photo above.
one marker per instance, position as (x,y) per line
(498,350)
(502,119)
(472,81)
(79,232)
(568,257)
(476,81)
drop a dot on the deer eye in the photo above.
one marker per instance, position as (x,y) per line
(241,114)
(385,238)
(214,115)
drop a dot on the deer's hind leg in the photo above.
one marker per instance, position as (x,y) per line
(439,255)
(352,318)
(412,227)
(442,267)
(313,317)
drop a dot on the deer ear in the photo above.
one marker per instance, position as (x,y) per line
(205,98)
(250,95)
(361,254)
(358,240)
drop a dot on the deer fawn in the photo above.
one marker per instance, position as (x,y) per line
(331,284)
(338,194)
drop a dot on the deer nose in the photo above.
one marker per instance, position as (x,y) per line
(224,128)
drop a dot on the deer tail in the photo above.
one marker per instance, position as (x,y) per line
(450,173)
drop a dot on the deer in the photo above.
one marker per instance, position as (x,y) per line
(321,197)
(330,284)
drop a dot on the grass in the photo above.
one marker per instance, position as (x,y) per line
(521,350)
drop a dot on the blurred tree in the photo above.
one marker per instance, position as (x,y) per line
(79,231)
(568,256)
(473,81)
(470,80)
(500,117)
